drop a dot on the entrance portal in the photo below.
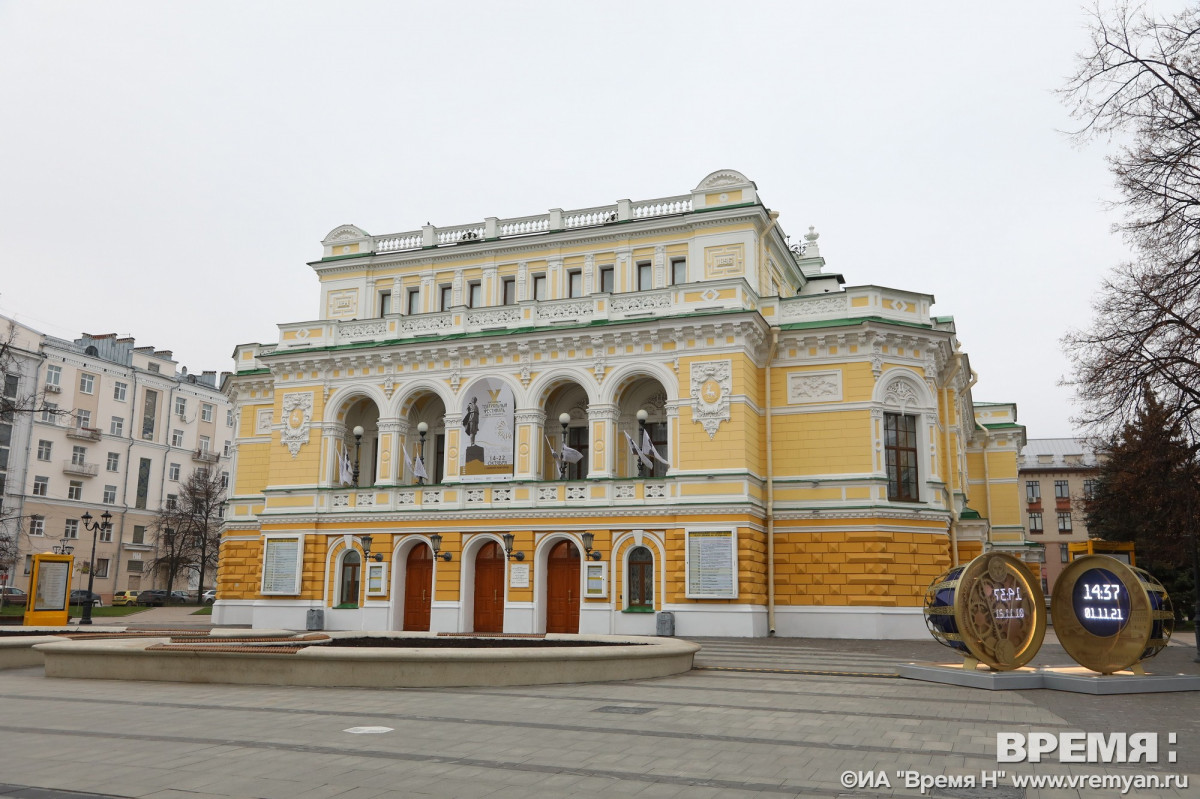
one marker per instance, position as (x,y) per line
(418,588)
(562,589)
(489,589)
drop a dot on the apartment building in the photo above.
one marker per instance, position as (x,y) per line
(119,430)
(582,420)
(1056,475)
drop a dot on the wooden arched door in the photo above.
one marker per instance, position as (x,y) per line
(418,588)
(562,589)
(489,589)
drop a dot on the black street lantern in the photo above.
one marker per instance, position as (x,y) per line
(105,523)
(642,416)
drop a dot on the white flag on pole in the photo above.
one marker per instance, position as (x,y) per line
(648,447)
(419,469)
(408,464)
(345,468)
(571,455)
(641,456)
(558,469)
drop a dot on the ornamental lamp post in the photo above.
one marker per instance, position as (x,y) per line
(422,428)
(105,523)
(358,434)
(642,416)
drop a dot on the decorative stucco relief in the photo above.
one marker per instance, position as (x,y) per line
(297,418)
(712,382)
(814,387)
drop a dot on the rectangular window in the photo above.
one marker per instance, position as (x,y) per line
(106,533)
(414,302)
(176,438)
(110,495)
(134,566)
(1064,522)
(139,534)
(44,449)
(475,294)
(87,383)
(229,418)
(224,480)
(205,444)
(202,472)
(172,501)
(11,384)
(1089,489)
(678,271)
(78,456)
(37,525)
(1064,553)
(54,376)
(227,449)
(116,426)
(645,276)
(1033,491)
(143,486)
(1035,523)
(385,303)
(149,413)
(71,528)
(119,391)
(173,472)
(113,463)
(445,297)
(508,291)
(206,412)
(608,281)
(102,567)
(181,406)
(83,419)
(1062,489)
(50,412)
(539,287)
(41,486)
(75,490)
(575,283)
(900,454)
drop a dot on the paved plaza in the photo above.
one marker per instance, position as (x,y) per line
(775,717)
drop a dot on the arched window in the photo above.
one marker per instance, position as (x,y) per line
(641,578)
(348,580)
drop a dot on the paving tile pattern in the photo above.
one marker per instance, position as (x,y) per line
(780,717)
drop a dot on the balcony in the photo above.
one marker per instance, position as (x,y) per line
(205,456)
(80,469)
(84,433)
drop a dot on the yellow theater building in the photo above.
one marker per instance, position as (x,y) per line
(816,461)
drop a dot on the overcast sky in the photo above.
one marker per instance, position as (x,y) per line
(168,169)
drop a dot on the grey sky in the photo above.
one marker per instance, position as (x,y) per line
(167,169)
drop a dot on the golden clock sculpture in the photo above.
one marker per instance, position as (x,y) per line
(1110,616)
(989,610)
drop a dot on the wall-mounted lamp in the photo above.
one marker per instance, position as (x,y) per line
(588,540)
(435,541)
(423,428)
(358,434)
(508,548)
(366,540)
(642,416)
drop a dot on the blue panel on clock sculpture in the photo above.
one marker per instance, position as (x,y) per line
(1101,602)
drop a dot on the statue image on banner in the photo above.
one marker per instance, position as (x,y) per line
(490,427)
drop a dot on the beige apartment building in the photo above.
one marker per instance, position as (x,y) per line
(129,429)
(1057,475)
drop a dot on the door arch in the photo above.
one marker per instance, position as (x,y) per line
(562,588)
(418,588)
(489,589)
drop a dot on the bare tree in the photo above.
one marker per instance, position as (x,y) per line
(189,528)
(1139,81)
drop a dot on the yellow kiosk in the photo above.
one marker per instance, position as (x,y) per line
(49,591)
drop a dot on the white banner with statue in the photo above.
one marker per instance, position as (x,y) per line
(489,432)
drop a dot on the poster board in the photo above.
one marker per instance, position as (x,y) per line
(49,590)
(376,579)
(283,557)
(595,580)
(711,564)
(488,432)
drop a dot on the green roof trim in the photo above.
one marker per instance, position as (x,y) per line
(969,513)
(345,257)
(1003,426)
(849,322)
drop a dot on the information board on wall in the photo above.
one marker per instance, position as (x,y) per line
(518,575)
(52,586)
(281,566)
(594,581)
(712,564)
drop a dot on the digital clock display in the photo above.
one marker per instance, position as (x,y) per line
(1101,602)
